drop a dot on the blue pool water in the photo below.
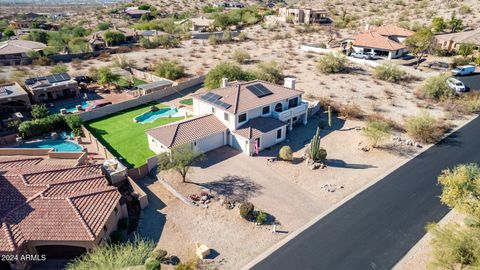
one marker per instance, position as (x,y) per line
(149,116)
(58,145)
(71,107)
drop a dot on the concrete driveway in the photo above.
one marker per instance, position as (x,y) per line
(472,82)
(246,178)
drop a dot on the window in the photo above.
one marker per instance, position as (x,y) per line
(213,109)
(242,118)
(292,103)
(266,110)
(279,134)
(278,107)
(225,116)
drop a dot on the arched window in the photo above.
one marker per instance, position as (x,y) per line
(278,107)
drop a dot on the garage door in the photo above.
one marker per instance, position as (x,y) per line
(211,142)
(60,252)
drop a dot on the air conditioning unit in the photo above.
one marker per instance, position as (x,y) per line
(115,171)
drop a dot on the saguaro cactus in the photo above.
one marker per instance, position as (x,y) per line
(315,146)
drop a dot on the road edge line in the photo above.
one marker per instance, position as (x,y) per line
(307,225)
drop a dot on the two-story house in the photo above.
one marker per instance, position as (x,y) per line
(248,116)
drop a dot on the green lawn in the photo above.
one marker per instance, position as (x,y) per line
(123,137)
(188,101)
(125,82)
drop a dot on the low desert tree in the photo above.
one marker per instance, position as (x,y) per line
(268,71)
(113,37)
(461,189)
(240,56)
(466,49)
(59,68)
(454,247)
(170,69)
(455,24)
(225,70)
(114,256)
(420,43)
(286,153)
(8,32)
(105,76)
(39,111)
(424,128)
(38,36)
(332,63)
(377,131)
(102,26)
(436,87)
(389,72)
(438,24)
(180,159)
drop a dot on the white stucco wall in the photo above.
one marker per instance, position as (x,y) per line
(155,145)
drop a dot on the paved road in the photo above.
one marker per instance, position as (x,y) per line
(472,82)
(376,228)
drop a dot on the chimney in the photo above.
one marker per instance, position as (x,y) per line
(290,83)
(367,27)
(224,82)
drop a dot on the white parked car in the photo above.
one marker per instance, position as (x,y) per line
(456,85)
(463,70)
(363,55)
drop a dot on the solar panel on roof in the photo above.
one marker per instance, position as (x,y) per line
(222,104)
(259,90)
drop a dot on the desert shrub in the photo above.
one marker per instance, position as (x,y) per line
(268,71)
(59,68)
(240,56)
(391,123)
(377,131)
(189,265)
(246,210)
(227,70)
(332,63)
(159,254)
(113,37)
(227,36)
(461,61)
(242,36)
(389,72)
(351,111)
(286,153)
(42,61)
(424,128)
(261,217)
(170,69)
(436,88)
(152,264)
(39,111)
(470,102)
(213,40)
(114,257)
(29,129)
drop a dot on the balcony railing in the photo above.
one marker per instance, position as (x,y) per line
(292,112)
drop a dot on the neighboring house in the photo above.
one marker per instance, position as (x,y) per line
(51,207)
(51,87)
(13,97)
(148,88)
(153,34)
(28,23)
(454,40)
(303,15)
(248,116)
(17,49)
(136,13)
(384,41)
(97,38)
(199,24)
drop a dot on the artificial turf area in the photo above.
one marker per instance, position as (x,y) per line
(125,138)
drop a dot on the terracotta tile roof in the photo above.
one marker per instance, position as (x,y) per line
(52,203)
(11,162)
(254,128)
(376,41)
(241,99)
(186,131)
(392,30)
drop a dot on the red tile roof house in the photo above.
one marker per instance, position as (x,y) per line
(385,41)
(248,116)
(53,206)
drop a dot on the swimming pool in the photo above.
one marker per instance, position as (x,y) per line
(71,107)
(58,145)
(150,116)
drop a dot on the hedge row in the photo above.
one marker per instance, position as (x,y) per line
(29,129)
